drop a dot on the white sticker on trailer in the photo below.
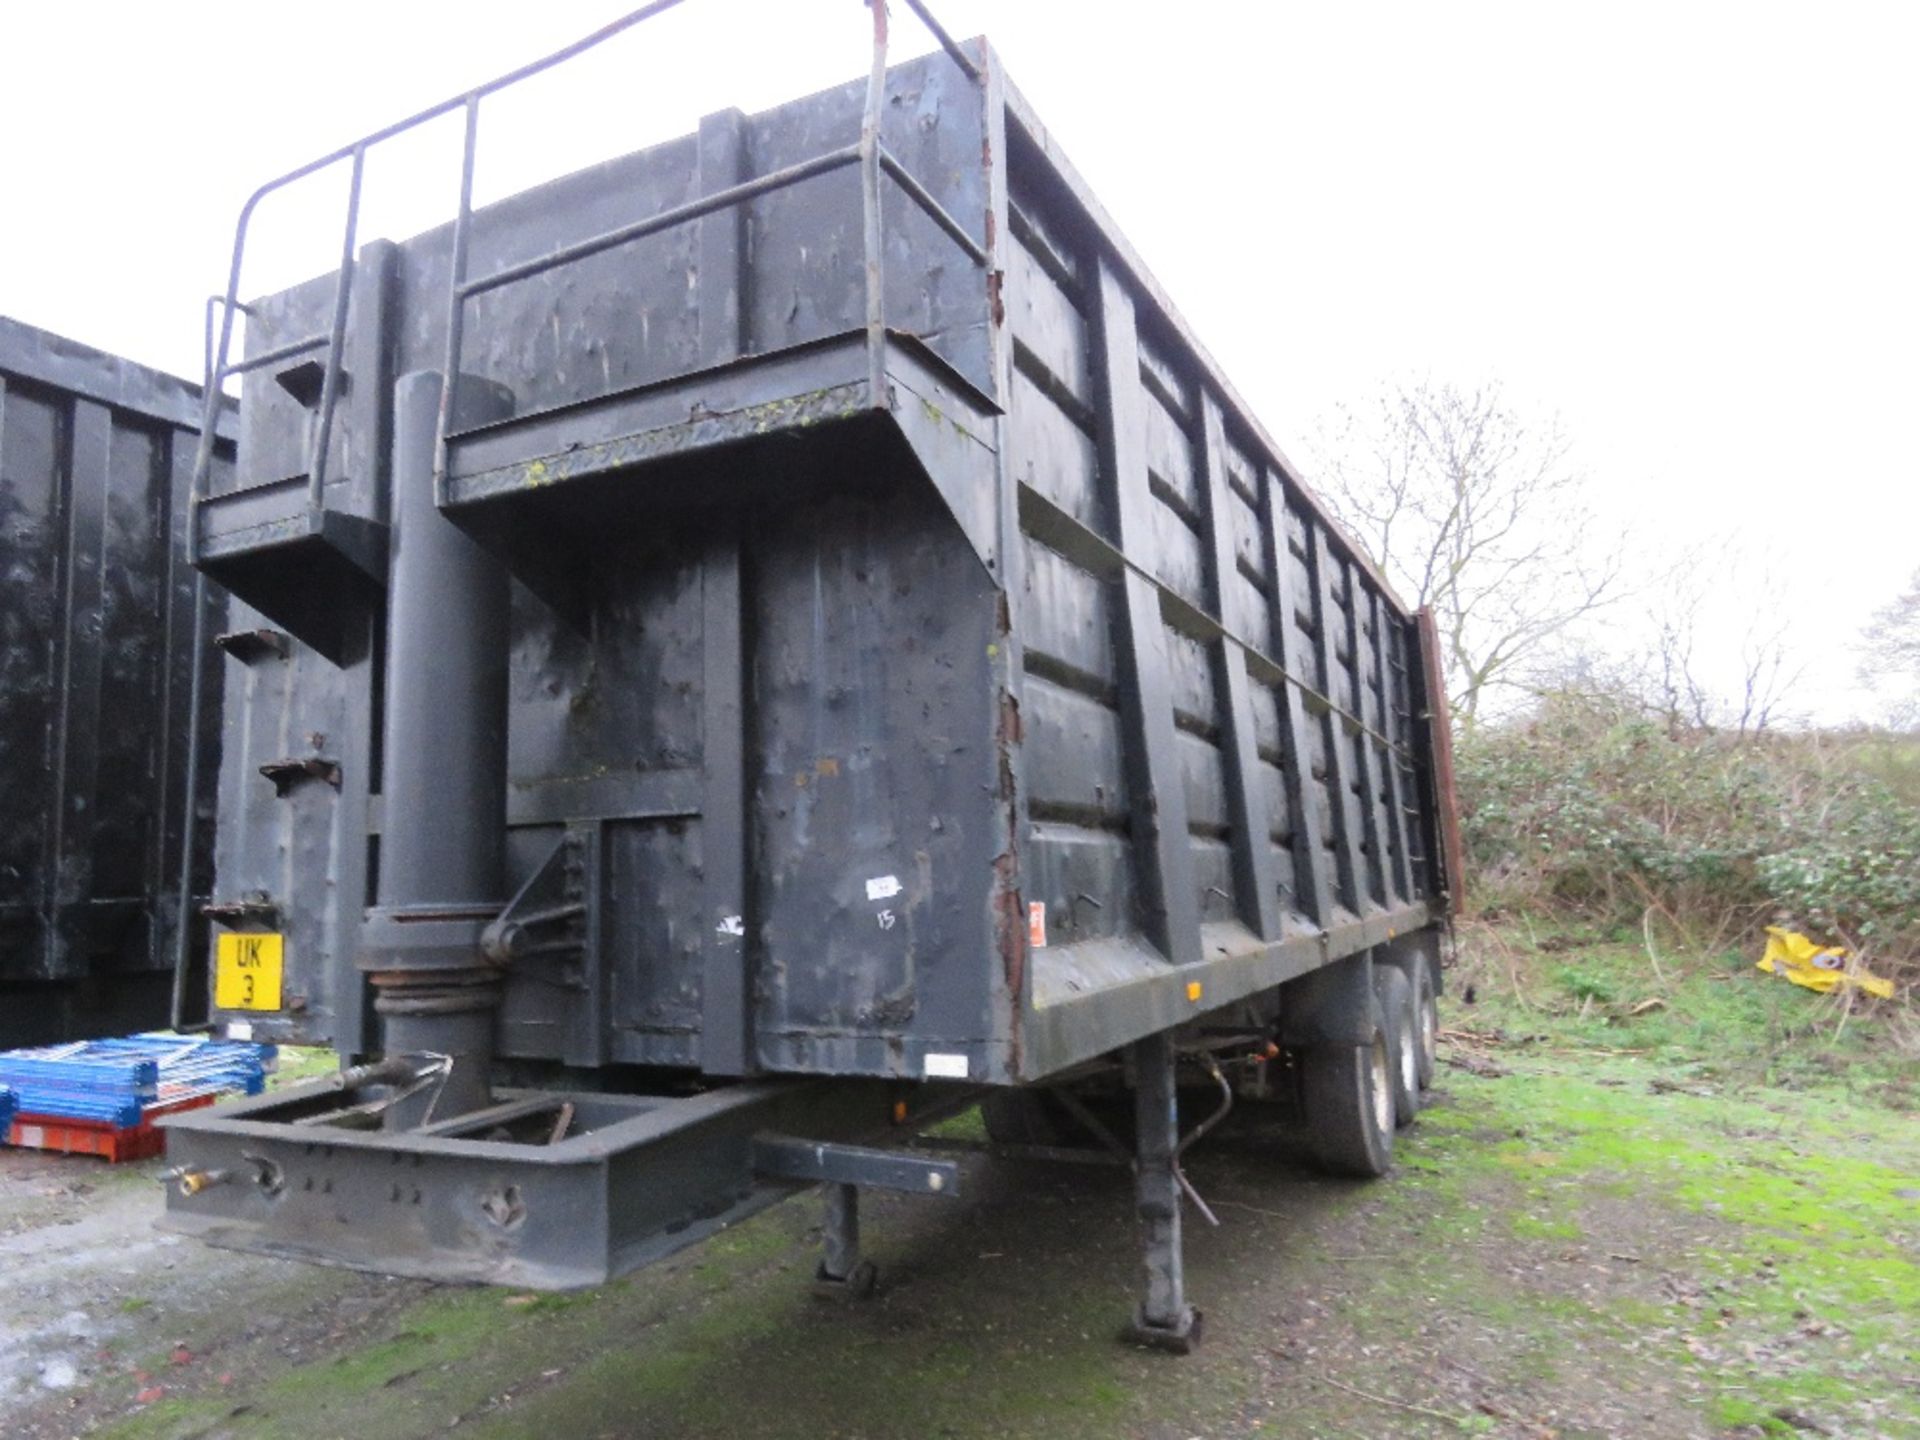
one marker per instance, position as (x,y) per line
(884,887)
(239,1030)
(945,1067)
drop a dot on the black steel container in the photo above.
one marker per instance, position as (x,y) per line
(968,724)
(96,653)
(755,636)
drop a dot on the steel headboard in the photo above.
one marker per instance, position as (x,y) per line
(872,158)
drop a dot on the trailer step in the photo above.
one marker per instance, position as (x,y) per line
(757,407)
(301,567)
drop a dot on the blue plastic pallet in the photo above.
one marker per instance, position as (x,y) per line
(115,1081)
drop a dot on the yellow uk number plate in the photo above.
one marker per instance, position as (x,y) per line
(246,971)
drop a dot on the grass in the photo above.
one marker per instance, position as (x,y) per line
(1740,1101)
(1712,1018)
(969,1127)
(298,1063)
(1801,1289)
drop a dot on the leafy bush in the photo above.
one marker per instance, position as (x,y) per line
(1592,804)
(1586,984)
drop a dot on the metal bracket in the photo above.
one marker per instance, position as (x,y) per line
(248,646)
(255,907)
(285,774)
(547,917)
(305,381)
(786,1157)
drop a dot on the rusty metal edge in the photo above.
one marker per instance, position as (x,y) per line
(1440,740)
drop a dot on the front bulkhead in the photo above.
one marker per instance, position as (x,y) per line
(864,713)
(765,736)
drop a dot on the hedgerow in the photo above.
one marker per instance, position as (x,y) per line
(1593,804)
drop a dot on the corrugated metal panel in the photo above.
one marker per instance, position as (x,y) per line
(96,619)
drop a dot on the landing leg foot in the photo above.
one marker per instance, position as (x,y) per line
(843,1275)
(859,1285)
(1180,1338)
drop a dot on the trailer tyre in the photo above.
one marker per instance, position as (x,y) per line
(1402,1022)
(1038,1116)
(1022,1117)
(1348,1091)
(1426,1020)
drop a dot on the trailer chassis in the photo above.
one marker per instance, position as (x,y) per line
(541,1189)
(562,1190)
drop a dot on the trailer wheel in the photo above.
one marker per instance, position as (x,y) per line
(1038,1116)
(1403,1040)
(1426,1028)
(1021,1117)
(1348,1090)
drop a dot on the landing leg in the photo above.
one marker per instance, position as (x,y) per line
(1163,1320)
(843,1275)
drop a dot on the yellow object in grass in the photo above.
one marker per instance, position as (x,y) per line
(1816,967)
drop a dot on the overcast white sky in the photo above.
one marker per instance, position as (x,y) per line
(1693,230)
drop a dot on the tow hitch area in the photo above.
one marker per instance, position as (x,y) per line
(540,1190)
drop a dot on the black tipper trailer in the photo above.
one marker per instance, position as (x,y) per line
(107,762)
(839,644)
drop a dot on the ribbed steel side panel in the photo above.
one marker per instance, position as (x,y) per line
(96,619)
(1223,755)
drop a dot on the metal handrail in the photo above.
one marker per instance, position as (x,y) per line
(872,158)
(868,154)
(665,220)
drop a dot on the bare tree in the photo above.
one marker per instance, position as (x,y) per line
(1474,512)
(1730,688)
(1672,683)
(1890,658)
(1766,678)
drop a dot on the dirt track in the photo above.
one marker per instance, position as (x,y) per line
(1562,1252)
